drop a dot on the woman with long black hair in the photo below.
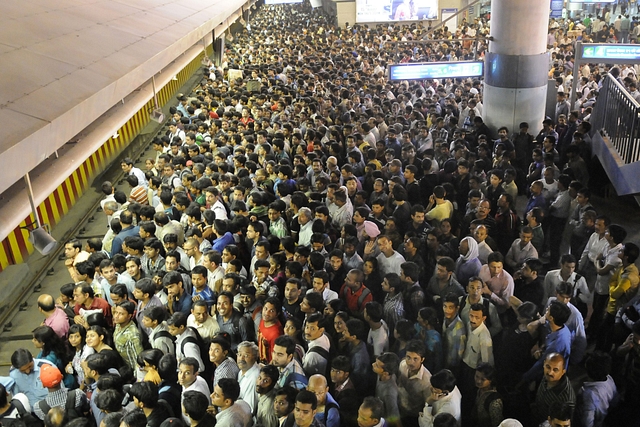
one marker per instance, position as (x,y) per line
(53,349)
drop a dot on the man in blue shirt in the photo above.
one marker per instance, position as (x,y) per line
(179,299)
(558,340)
(25,371)
(128,229)
(201,292)
(536,200)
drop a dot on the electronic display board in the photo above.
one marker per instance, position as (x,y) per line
(610,52)
(436,70)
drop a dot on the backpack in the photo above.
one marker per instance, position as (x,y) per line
(23,419)
(70,406)
(176,395)
(326,355)
(327,407)
(363,295)
(204,353)
(164,334)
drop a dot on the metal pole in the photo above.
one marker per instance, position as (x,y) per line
(155,93)
(27,181)
(576,68)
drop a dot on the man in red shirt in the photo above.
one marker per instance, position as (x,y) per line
(87,303)
(355,294)
(270,328)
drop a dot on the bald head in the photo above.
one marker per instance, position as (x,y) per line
(46,303)
(318,386)
(55,417)
(555,358)
(317,380)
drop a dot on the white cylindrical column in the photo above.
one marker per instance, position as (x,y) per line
(516,64)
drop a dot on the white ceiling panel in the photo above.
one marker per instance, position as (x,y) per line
(46,101)
(65,63)
(126,59)
(19,9)
(104,11)
(16,127)
(24,71)
(142,24)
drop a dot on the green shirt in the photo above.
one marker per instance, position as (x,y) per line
(128,343)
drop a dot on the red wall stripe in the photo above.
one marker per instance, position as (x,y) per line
(65,192)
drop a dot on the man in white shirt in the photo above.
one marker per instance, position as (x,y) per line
(317,357)
(521,249)
(200,319)
(389,260)
(606,264)
(129,169)
(566,273)
(212,260)
(189,379)
(321,285)
(247,356)
(445,398)
(595,246)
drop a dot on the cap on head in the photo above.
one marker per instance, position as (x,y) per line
(50,376)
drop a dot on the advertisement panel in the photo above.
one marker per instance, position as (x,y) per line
(396,10)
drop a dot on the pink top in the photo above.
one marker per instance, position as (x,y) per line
(59,322)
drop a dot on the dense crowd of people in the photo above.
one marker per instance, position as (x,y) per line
(314,245)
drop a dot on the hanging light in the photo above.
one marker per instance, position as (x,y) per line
(42,240)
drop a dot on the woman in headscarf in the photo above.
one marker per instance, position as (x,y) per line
(467,264)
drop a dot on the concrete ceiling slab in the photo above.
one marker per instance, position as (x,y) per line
(66,63)
(24,71)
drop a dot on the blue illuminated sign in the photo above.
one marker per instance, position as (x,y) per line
(556,8)
(436,70)
(611,52)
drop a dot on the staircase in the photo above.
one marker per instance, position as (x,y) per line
(615,136)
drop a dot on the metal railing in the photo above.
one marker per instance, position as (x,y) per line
(617,114)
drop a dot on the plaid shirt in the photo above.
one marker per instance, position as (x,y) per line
(58,399)
(127,341)
(227,369)
(393,309)
(454,339)
(293,367)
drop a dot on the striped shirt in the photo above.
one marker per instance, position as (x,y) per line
(393,310)
(546,396)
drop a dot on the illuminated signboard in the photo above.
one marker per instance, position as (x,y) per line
(435,70)
(610,52)
(396,10)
